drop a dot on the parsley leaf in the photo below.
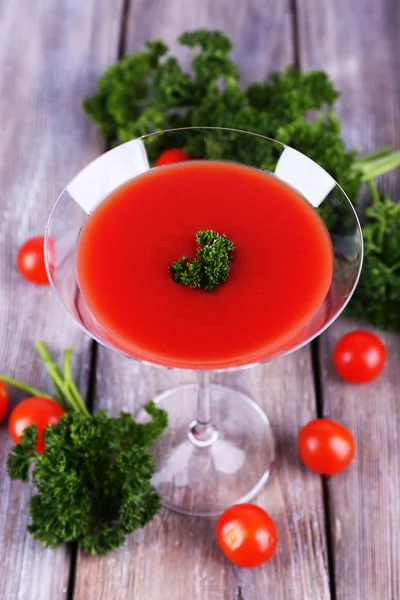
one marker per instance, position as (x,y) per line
(210,268)
(377,296)
(93,480)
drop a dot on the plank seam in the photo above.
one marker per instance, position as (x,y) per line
(295,33)
(90,396)
(124,28)
(91,389)
(325,488)
(72,571)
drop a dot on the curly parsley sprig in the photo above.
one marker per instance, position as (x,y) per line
(210,267)
(93,479)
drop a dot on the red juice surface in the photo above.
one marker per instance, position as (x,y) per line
(280,274)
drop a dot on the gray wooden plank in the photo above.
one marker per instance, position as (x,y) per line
(175,556)
(51,54)
(260,30)
(365,499)
(357,43)
(284,389)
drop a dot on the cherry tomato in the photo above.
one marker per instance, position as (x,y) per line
(3,401)
(30,261)
(173,155)
(359,356)
(38,411)
(246,535)
(325,446)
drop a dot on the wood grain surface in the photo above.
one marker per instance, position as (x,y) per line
(365,499)
(176,557)
(358,44)
(262,30)
(51,54)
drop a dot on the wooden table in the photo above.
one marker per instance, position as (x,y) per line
(338,538)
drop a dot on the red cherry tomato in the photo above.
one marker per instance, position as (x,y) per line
(38,411)
(359,356)
(30,261)
(3,401)
(246,535)
(325,446)
(173,155)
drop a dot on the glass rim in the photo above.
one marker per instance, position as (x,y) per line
(217,369)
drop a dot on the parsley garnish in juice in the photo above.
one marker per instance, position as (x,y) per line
(210,267)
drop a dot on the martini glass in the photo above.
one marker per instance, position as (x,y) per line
(218,448)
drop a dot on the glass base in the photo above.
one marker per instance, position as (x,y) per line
(204,474)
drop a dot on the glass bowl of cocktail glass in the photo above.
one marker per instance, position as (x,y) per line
(219,447)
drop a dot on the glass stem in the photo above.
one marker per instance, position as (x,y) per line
(201,431)
(203,416)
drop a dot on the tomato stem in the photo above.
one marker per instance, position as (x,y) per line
(24,387)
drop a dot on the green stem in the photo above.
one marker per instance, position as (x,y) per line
(373,190)
(375,201)
(24,387)
(395,267)
(63,384)
(379,166)
(69,381)
(73,391)
(374,154)
(51,368)
(67,363)
(45,354)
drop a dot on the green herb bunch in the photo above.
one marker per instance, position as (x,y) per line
(210,267)
(93,480)
(377,298)
(149,91)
